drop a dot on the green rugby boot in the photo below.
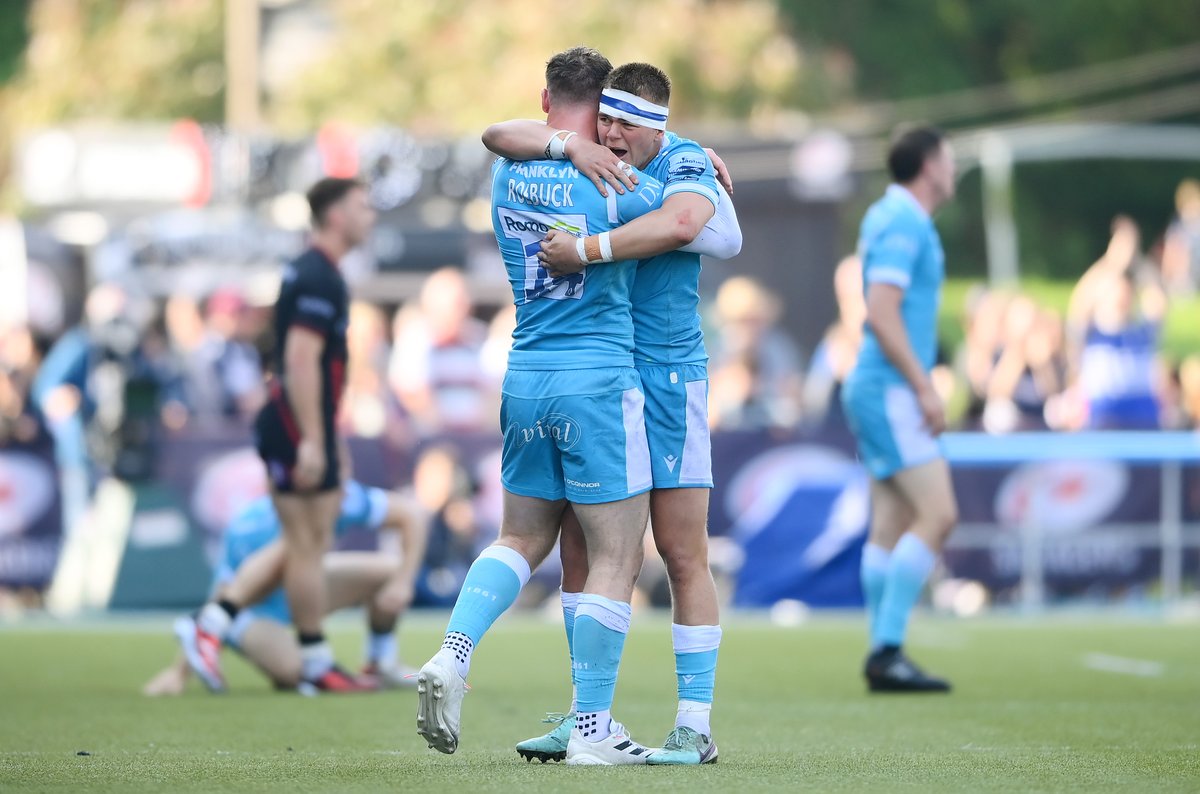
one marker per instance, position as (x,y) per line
(553,745)
(685,746)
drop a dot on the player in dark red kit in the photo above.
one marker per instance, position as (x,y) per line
(295,434)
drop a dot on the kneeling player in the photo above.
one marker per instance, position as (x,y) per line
(250,572)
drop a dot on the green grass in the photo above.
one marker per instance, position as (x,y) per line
(1027,714)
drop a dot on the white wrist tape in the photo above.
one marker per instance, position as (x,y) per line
(595,249)
(605,247)
(556,148)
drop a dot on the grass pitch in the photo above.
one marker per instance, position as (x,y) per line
(1056,704)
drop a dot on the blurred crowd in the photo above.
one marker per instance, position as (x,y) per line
(434,365)
(425,371)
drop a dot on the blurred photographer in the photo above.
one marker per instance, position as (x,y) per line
(105,388)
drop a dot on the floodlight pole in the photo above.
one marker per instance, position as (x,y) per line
(999,227)
(242,27)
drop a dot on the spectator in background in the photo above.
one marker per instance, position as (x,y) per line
(982,347)
(226,369)
(837,351)
(185,335)
(435,367)
(1029,370)
(369,409)
(494,355)
(1189,392)
(19,362)
(444,490)
(1181,249)
(1119,367)
(755,370)
(1113,331)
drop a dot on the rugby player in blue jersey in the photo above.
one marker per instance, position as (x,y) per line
(250,572)
(696,217)
(571,413)
(891,405)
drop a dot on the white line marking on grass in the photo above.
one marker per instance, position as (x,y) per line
(1122,666)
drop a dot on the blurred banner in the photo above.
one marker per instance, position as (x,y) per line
(795,507)
(30,514)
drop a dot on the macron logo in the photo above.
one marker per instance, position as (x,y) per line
(671,460)
(687,679)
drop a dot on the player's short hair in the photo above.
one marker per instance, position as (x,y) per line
(910,150)
(576,76)
(327,192)
(641,79)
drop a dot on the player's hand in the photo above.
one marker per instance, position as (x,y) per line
(558,254)
(395,597)
(310,465)
(932,410)
(168,683)
(722,170)
(600,165)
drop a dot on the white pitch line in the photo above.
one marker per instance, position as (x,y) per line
(1122,666)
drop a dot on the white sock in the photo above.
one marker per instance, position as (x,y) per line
(574,699)
(595,726)
(381,648)
(315,660)
(214,620)
(461,647)
(694,715)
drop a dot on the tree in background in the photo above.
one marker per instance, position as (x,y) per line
(456,65)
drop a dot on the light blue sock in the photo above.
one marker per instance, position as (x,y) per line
(695,674)
(569,603)
(875,562)
(492,585)
(600,628)
(912,562)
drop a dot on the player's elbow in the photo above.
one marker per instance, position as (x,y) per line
(492,137)
(731,244)
(685,227)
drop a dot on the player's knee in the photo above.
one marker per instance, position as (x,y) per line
(942,518)
(287,676)
(685,561)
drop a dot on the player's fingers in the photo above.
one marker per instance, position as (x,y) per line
(622,180)
(598,181)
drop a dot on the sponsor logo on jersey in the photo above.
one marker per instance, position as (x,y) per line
(315,305)
(688,166)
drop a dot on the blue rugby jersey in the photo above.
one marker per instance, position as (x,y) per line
(899,245)
(580,321)
(666,292)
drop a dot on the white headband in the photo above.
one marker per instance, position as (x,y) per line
(632,108)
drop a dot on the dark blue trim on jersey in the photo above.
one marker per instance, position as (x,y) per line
(629,107)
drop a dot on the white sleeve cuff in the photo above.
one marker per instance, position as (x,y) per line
(888,275)
(693,187)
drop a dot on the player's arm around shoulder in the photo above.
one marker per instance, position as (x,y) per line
(689,200)
(525,139)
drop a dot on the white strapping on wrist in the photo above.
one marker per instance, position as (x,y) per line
(556,147)
(594,249)
(605,248)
